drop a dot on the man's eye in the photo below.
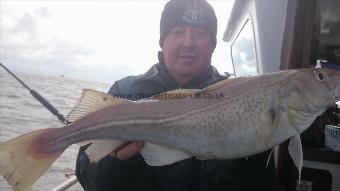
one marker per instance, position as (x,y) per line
(177,32)
(202,32)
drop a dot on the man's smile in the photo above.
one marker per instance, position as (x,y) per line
(187,57)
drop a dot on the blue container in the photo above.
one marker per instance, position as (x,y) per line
(332,137)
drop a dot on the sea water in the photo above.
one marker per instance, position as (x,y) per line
(20,113)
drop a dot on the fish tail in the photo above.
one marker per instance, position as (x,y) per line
(20,164)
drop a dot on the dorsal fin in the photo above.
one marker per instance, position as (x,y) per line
(220,84)
(91,101)
(176,94)
(183,93)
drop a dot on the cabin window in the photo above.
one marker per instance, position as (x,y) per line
(243,51)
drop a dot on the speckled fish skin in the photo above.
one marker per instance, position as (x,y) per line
(251,115)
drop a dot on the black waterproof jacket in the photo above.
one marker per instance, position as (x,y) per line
(111,174)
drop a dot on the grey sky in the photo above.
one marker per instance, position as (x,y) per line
(89,40)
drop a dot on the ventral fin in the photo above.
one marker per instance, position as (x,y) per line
(91,101)
(275,153)
(159,155)
(100,148)
(295,151)
(276,156)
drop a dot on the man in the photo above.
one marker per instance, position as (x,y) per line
(187,38)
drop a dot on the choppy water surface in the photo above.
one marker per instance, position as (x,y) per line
(20,113)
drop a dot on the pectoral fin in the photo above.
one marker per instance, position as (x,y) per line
(159,155)
(301,120)
(295,151)
(278,120)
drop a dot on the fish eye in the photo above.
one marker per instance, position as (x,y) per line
(319,76)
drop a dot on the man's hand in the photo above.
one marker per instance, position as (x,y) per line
(127,150)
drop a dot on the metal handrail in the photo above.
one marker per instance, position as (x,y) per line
(66,184)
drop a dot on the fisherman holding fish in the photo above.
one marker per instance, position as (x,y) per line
(188,39)
(181,143)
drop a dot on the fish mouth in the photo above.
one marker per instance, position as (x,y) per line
(337,93)
(337,98)
(335,79)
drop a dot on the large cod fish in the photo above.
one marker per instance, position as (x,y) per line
(230,119)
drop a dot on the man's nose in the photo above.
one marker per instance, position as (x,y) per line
(189,39)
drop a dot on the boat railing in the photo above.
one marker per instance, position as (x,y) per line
(66,184)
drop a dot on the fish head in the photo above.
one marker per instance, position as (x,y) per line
(312,92)
(326,84)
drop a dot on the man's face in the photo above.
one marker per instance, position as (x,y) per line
(187,52)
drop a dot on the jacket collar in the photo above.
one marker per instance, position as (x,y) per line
(158,73)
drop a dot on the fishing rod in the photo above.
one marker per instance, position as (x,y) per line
(38,97)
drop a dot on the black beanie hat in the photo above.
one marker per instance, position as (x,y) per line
(191,12)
